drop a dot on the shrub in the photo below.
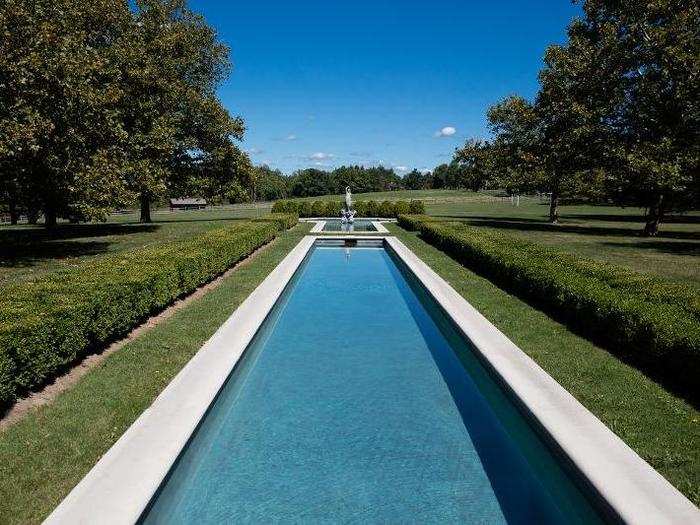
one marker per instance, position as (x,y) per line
(386,209)
(361,208)
(305,209)
(50,322)
(318,209)
(648,320)
(412,222)
(283,220)
(372,209)
(332,209)
(416,207)
(400,207)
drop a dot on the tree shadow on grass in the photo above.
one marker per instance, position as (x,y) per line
(463,218)
(210,219)
(672,247)
(25,247)
(526,224)
(673,219)
(27,255)
(16,236)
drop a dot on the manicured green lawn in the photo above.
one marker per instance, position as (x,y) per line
(29,251)
(660,427)
(43,456)
(607,233)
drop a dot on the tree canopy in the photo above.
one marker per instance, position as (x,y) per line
(103,102)
(617,113)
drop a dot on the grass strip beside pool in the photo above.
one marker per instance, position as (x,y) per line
(49,323)
(650,322)
(44,456)
(662,428)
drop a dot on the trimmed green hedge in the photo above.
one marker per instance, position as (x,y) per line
(363,208)
(652,321)
(48,323)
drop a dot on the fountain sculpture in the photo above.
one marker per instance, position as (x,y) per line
(347,214)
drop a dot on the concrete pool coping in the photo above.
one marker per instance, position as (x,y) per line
(122,483)
(375,221)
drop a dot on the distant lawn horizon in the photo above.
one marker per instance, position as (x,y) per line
(599,231)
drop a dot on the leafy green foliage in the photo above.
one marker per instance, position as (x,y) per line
(59,106)
(48,323)
(650,321)
(616,116)
(269,184)
(363,208)
(101,103)
(315,182)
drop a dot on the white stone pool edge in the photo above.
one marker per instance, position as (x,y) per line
(122,483)
(629,485)
(119,487)
(320,223)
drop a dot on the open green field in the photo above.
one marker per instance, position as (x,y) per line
(30,251)
(45,454)
(606,233)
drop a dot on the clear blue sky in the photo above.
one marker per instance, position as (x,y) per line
(367,82)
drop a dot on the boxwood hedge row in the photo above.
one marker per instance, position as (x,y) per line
(364,208)
(651,321)
(49,323)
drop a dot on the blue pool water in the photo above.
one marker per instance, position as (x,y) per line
(359,402)
(359,225)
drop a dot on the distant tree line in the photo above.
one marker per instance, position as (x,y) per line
(104,103)
(271,184)
(617,115)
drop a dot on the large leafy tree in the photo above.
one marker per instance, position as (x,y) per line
(364,179)
(59,117)
(415,180)
(270,184)
(620,98)
(515,164)
(475,161)
(310,182)
(651,96)
(546,144)
(174,123)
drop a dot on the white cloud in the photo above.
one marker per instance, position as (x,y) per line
(447,131)
(255,151)
(291,136)
(321,156)
(401,168)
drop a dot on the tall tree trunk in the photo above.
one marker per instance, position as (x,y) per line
(50,217)
(145,208)
(554,208)
(13,212)
(32,216)
(654,217)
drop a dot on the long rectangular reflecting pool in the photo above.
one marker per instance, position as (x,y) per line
(359,401)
